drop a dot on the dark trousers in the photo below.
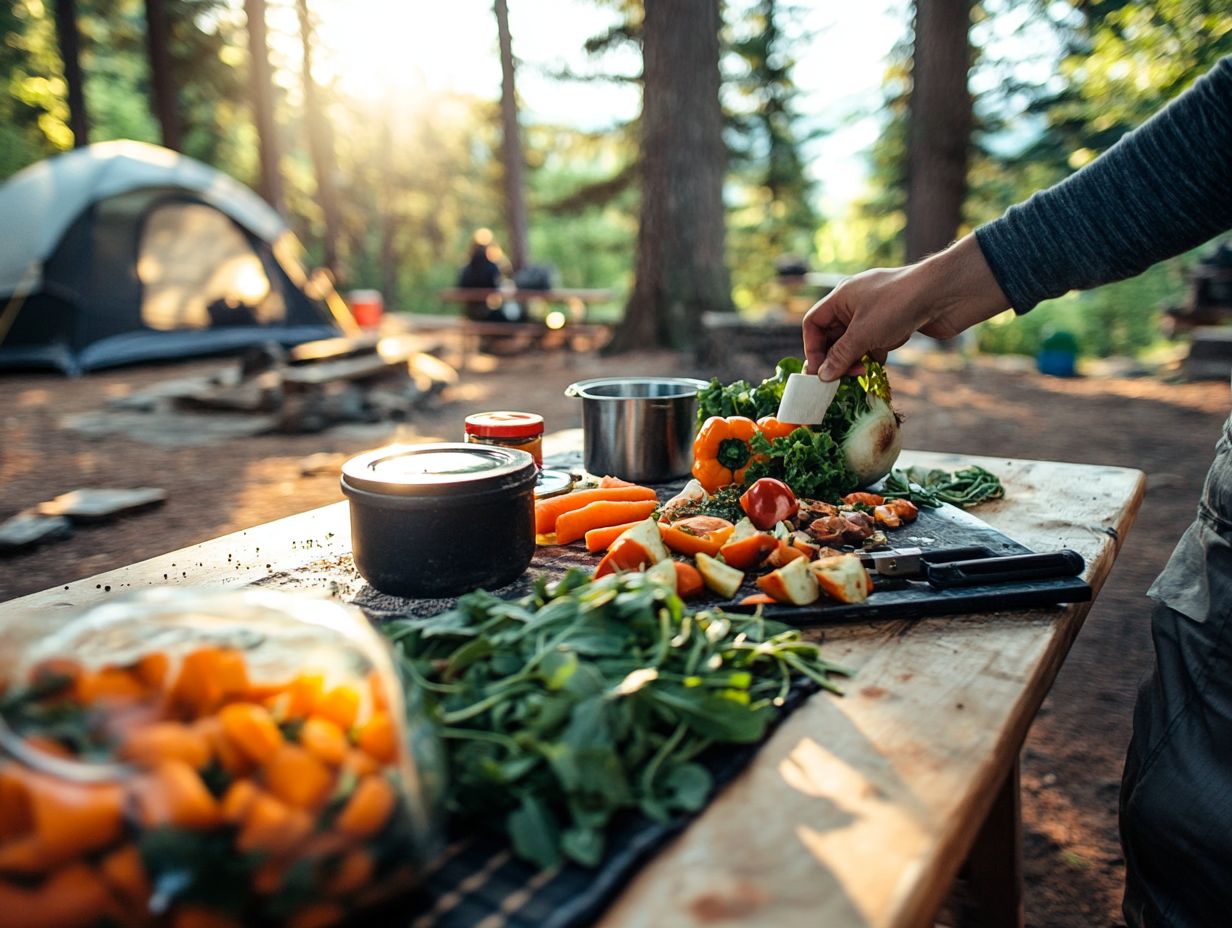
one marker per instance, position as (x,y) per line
(1176,793)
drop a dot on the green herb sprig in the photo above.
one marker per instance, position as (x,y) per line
(965,487)
(587,699)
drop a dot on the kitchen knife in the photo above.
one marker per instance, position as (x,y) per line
(805,399)
(951,567)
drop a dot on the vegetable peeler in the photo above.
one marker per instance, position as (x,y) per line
(971,566)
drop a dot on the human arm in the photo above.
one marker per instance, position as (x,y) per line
(1162,189)
(876,311)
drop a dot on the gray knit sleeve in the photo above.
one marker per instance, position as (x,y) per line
(1162,189)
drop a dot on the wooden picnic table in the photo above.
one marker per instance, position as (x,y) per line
(859,810)
(571,329)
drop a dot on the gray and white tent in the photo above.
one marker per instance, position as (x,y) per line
(123,251)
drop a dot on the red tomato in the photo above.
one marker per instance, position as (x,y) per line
(768,501)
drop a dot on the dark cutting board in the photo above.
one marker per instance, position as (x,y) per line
(945,527)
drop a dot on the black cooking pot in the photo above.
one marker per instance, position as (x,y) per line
(441,519)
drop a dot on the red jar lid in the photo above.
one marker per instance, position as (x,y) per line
(504,424)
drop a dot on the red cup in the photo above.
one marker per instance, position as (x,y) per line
(367,306)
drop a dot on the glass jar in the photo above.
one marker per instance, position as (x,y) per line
(522,430)
(231,757)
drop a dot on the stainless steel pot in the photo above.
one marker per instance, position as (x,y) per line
(638,428)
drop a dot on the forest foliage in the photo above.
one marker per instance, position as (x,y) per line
(417,174)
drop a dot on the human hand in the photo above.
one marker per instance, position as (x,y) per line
(877,311)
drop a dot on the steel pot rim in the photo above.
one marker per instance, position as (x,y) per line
(690,386)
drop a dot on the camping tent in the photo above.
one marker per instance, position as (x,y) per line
(122,251)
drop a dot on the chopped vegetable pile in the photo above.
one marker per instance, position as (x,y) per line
(587,699)
(243,803)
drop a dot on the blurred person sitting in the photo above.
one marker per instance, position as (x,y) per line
(482,272)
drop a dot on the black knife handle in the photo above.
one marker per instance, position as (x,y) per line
(948,555)
(1014,568)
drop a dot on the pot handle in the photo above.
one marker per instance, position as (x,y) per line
(573,390)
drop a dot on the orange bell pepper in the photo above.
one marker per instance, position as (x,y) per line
(748,551)
(772,428)
(721,451)
(706,534)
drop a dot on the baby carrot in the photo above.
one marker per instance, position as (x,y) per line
(251,729)
(379,737)
(340,705)
(324,740)
(368,808)
(600,539)
(296,777)
(157,741)
(176,795)
(572,525)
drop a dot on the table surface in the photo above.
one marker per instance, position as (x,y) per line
(859,810)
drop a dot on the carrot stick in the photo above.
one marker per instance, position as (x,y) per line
(572,525)
(547,510)
(600,539)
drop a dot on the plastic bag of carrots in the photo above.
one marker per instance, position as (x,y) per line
(243,758)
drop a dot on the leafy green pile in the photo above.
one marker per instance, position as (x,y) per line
(811,463)
(586,699)
(740,398)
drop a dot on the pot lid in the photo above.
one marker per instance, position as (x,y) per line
(441,469)
(553,483)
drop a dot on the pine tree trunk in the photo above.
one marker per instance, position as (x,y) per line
(320,144)
(680,268)
(511,148)
(389,218)
(270,184)
(69,39)
(162,73)
(939,138)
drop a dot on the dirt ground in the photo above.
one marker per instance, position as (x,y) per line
(1072,759)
